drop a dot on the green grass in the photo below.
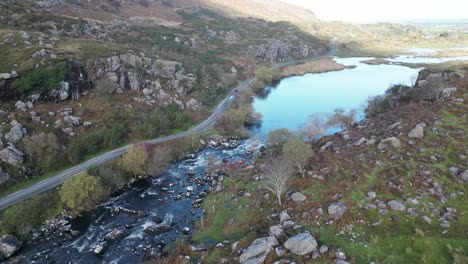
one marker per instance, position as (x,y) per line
(371,179)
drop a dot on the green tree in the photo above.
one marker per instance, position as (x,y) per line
(135,161)
(82,193)
(44,150)
(277,138)
(297,153)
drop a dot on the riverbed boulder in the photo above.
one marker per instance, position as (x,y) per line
(387,143)
(258,250)
(12,156)
(116,235)
(157,229)
(9,245)
(301,244)
(337,210)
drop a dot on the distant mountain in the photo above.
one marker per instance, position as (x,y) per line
(274,10)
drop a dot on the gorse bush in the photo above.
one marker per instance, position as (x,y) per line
(47,78)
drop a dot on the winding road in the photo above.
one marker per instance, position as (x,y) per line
(58,179)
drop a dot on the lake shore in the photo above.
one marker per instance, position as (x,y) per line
(320,66)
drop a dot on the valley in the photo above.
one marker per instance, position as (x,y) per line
(223,132)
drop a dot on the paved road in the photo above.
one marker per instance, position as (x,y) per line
(57,180)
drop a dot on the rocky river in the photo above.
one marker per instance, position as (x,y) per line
(140,221)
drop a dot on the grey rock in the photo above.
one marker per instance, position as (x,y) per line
(337,210)
(389,142)
(16,133)
(193,104)
(315,255)
(298,197)
(427,219)
(417,132)
(360,142)
(9,245)
(284,216)
(20,105)
(12,156)
(301,244)
(100,248)
(464,176)
(280,251)
(116,235)
(277,231)
(72,120)
(340,255)
(453,170)
(65,111)
(340,261)
(288,224)
(258,250)
(371,195)
(323,249)
(396,205)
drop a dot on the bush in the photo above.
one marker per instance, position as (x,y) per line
(111,176)
(82,193)
(42,78)
(136,161)
(30,214)
(43,150)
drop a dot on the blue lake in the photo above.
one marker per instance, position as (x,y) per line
(290,103)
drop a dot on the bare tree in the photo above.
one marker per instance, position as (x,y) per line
(342,119)
(277,175)
(316,127)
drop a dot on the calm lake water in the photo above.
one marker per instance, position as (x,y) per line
(290,103)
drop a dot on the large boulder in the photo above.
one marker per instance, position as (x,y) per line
(337,210)
(12,156)
(301,244)
(116,235)
(277,231)
(396,205)
(387,143)
(16,133)
(258,250)
(9,245)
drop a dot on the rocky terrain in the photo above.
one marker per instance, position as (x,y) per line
(383,190)
(65,62)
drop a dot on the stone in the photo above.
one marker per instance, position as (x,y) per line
(417,132)
(25,35)
(280,251)
(396,205)
(464,176)
(301,244)
(9,245)
(100,248)
(323,249)
(16,133)
(12,156)
(116,235)
(193,104)
(157,229)
(389,142)
(20,105)
(340,255)
(284,216)
(258,250)
(72,120)
(371,195)
(337,210)
(87,124)
(427,219)
(453,170)
(277,231)
(360,142)
(288,224)
(298,197)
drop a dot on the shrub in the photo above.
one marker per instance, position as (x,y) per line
(44,150)
(82,193)
(136,161)
(42,78)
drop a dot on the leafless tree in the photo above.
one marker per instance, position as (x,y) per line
(316,127)
(277,175)
(342,119)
